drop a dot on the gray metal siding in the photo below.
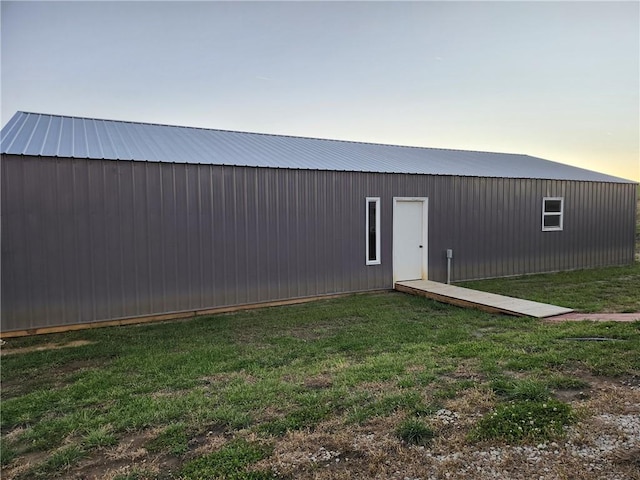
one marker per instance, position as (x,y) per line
(90,240)
(494,227)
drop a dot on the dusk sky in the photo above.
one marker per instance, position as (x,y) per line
(557,80)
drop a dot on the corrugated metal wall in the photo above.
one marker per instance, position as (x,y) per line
(494,226)
(89,240)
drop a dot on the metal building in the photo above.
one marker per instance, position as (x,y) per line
(107,220)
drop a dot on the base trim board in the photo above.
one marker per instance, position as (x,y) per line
(182,315)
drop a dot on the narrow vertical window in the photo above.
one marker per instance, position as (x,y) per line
(373,230)
(552,213)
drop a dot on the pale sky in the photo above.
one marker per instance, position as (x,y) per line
(557,80)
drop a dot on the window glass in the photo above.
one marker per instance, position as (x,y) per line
(373,230)
(552,221)
(552,206)
(552,213)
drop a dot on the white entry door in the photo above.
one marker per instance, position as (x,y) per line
(409,239)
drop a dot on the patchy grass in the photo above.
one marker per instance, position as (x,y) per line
(282,391)
(533,421)
(173,440)
(563,382)
(230,462)
(59,461)
(522,390)
(100,437)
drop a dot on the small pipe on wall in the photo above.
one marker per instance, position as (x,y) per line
(449,257)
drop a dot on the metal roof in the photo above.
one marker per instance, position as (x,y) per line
(75,137)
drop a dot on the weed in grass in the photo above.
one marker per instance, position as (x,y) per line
(522,421)
(59,461)
(172,440)
(230,462)
(520,389)
(415,432)
(98,438)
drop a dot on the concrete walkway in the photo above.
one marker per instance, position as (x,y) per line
(490,302)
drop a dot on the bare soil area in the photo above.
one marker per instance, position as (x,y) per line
(603,444)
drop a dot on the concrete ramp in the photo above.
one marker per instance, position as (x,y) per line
(490,302)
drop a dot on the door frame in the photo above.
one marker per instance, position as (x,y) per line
(425,231)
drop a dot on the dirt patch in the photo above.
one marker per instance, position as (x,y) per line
(210,440)
(22,384)
(100,469)
(333,451)
(319,382)
(27,460)
(472,401)
(605,390)
(130,455)
(320,330)
(465,370)
(225,378)
(47,346)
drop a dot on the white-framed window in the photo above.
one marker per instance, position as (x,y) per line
(552,213)
(373,230)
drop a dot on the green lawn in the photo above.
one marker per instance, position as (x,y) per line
(249,379)
(612,289)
